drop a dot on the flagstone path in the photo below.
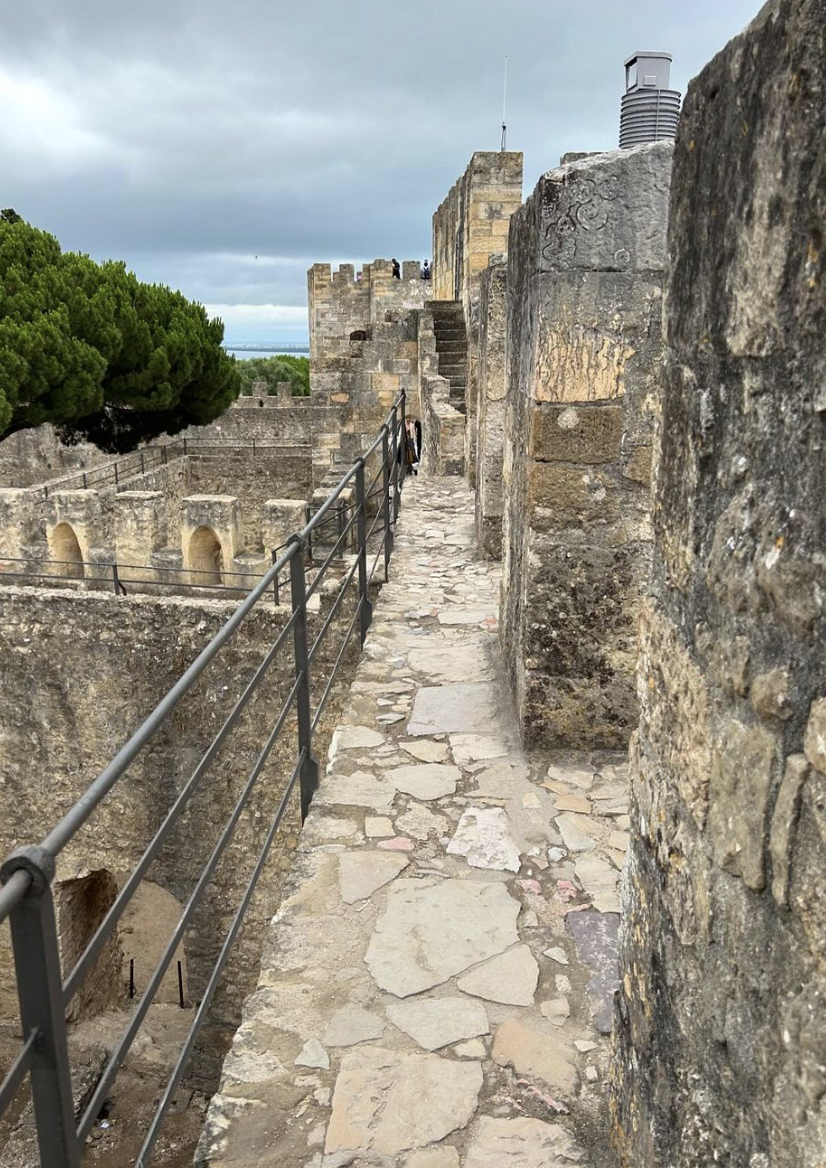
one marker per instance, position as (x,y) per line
(435,991)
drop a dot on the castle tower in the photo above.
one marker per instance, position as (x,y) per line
(650,110)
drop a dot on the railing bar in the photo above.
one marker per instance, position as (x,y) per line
(57,839)
(200,1015)
(333,610)
(13,892)
(108,1076)
(329,685)
(379,515)
(17,1072)
(73,981)
(320,573)
(376,561)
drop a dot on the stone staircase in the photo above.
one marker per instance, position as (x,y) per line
(451,347)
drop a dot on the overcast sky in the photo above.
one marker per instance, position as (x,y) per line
(223,146)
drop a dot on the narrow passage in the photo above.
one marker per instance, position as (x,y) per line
(435,991)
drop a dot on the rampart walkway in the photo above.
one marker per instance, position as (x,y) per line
(435,989)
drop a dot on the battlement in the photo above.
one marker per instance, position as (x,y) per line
(344,302)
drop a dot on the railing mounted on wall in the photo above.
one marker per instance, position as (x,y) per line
(44,989)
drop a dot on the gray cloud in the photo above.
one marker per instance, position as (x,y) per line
(190,138)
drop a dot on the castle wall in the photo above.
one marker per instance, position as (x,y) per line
(266,421)
(81,671)
(492,407)
(32,456)
(354,382)
(720,1032)
(470,226)
(585,263)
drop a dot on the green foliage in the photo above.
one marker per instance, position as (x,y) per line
(295,370)
(101,355)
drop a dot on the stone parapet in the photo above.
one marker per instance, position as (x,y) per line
(490,422)
(721,1039)
(443,431)
(585,267)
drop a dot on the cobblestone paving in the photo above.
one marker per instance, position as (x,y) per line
(435,990)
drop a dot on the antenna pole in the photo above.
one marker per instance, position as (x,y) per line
(504,144)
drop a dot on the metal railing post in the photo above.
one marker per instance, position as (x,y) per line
(398,455)
(115,466)
(308,775)
(403,470)
(361,528)
(40,993)
(385,507)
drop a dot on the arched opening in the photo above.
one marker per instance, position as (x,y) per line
(80,906)
(358,335)
(148,922)
(66,550)
(205,556)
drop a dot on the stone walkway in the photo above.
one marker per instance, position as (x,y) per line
(435,990)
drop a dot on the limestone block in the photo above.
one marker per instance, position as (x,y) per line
(578,434)
(281,518)
(140,526)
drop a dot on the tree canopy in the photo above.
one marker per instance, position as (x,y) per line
(295,370)
(96,352)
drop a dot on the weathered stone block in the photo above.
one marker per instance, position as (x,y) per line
(585,260)
(576,434)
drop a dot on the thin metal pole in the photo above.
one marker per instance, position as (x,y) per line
(361,527)
(388,530)
(116,473)
(143,464)
(131,978)
(180,986)
(37,961)
(398,455)
(308,775)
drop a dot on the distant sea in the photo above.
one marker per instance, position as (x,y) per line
(245,350)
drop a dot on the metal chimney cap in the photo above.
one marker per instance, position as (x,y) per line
(647,53)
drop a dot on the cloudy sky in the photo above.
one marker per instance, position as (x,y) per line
(223,146)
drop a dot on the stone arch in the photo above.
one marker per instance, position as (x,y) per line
(206,555)
(80,906)
(358,335)
(65,547)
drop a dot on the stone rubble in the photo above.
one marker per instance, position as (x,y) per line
(442,880)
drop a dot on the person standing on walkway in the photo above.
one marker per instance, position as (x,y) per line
(397,272)
(410,452)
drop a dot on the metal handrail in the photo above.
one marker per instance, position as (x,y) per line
(26,898)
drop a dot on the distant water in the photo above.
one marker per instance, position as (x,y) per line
(245,350)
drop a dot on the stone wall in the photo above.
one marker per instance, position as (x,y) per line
(471,225)
(721,1027)
(354,382)
(33,456)
(492,407)
(585,262)
(443,430)
(342,303)
(266,421)
(142,519)
(80,674)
